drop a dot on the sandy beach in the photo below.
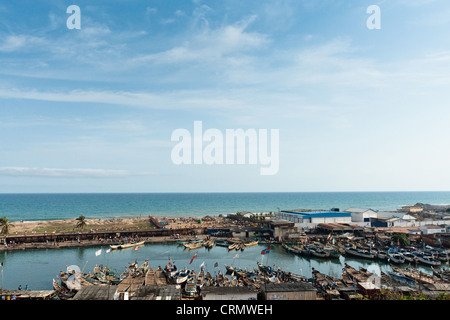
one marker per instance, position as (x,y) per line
(128,224)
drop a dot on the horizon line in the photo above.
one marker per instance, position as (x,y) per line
(205,192)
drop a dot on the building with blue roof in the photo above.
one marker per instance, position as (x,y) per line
(316,216)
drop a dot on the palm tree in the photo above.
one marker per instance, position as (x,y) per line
(401,239)
(5,226)
(81,222)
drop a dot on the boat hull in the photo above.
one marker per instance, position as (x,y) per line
(128,245)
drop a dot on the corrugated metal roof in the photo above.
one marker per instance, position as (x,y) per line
(319,214)
(288,287)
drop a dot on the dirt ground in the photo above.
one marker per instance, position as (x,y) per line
(70,225)
(129,224)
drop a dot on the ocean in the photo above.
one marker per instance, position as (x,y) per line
(38,207)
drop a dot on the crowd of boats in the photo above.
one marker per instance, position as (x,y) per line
(231,244)
(426,255)
(69,282)
(191,282)
(361,281)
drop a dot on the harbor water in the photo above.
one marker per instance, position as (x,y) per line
(35,269)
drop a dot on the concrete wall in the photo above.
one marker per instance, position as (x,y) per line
(301,295)
(331,220)
(360,216)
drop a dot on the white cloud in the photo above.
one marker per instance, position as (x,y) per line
(177,100)
(15,42)
(210,45)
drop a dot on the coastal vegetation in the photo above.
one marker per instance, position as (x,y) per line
(401,239)
(81,222)
(5,226)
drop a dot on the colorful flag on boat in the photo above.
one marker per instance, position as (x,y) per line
(265,251)
(98,252)
(136,248)
(108,251)
(195,256)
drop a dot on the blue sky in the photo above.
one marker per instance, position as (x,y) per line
(93,110)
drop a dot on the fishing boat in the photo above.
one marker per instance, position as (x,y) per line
(191,288)
(222,243)
(105,275)
(395,257)
(263,268)
(443,274)
(219,279)
(138,278)
(333,252)
(443,256)
(427,259)
(71,281)
(251,243)
(292,277)
(401,278)
(274,279)
(142,270)
(208,279)
(182,242)
(381,254)
(160,276)
(409,256)
(319,252)
(209,243)
(125,284)
(200,279)
(62,292)
(93,279)
(193,245)
(355,275)
(150,277)
(304,249)
(181,276)
(360,253)
(292,249)
(234,246)
(127,245)
(418,275)
(129,270)
(230,269)
(327,285)
(170,269)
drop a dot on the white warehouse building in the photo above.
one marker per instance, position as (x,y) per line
(362,214)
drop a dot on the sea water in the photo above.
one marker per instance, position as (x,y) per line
(35,207)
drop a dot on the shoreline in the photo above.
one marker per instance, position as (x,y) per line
(64,233)
(28,227)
